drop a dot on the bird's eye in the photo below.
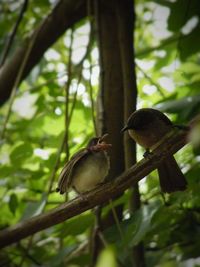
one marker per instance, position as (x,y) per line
(100,141)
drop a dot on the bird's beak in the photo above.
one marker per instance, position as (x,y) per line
(124,129)
(102,138)
(101,144)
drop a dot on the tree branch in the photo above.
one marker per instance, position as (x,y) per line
(65,14)
(169,145)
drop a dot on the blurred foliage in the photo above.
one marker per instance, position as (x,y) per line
(168,76)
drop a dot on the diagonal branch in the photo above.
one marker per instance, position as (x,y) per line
(65,14)
(169,145)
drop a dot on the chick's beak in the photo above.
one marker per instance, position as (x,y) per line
(102,138)
(101,144)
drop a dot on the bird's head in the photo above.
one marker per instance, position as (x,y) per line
(98,144)
(140,120)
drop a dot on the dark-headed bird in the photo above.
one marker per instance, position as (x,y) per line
(147,127)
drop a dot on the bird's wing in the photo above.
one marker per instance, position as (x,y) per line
(162,116)
(66,174)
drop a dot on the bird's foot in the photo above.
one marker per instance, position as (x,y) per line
(147,154)
(182,127)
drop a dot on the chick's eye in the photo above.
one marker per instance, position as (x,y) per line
(99,141)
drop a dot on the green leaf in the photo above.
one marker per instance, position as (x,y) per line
(107,258)
(184,106)
(142,224)
(195,78)
(33,209)
(135,228)
(81,260)
(13,203)
(185,47)
(61,255)
(5,171)
(78,225)
(190,67)
(21,153)
(181,12)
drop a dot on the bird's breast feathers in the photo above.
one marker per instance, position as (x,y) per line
(90,172)
(143,138)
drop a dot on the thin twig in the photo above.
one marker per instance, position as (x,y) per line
(164,43)
(101,113)
(67,88)
(68,116)
(57,163)
(90,84)
(14,31)
(28,247)
(17,81)
(49,81)
(80,68)
(102,238)
(53,172)
(116,220)
(76,252)
(152,82)
(27,255)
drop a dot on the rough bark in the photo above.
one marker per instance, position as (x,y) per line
(111,83)
(110,110)
(126,20)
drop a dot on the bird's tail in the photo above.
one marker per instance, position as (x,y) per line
(171,177)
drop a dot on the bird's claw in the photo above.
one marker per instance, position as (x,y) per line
(147,154)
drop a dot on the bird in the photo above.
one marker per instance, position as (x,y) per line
(147,126)
(87,168)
